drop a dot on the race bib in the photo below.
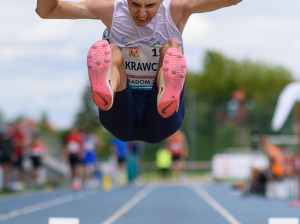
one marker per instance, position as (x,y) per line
(141,64)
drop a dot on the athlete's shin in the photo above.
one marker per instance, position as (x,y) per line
(119,77)
(171,76)
(99,67)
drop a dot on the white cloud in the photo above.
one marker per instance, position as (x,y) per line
(67,53)
(47,31)
(31,97)
(198,27)
(297,44)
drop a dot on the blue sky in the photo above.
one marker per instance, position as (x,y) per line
(43,62)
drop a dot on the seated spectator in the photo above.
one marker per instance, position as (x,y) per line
(275,171)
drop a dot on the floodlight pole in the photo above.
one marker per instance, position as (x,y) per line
(297,160)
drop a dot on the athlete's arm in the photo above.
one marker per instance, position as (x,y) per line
(181,10)
(198,6)
(55,9)
(88,9)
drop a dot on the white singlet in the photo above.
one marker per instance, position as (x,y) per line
(125,33)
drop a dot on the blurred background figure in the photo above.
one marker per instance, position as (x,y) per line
(20,140)
(177,145)
(275,172)
(91,146)
(132,161)
(37,151)
(74,152)
(276,159)
(163,161)
(119,151)
(6,152)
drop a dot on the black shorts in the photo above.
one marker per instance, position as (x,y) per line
(176,158)
(36,161)
(134,116)
(19,162)
(74,159)
(121,160)
(5,159)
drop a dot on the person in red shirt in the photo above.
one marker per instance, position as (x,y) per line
(74,151)
(177,145)
(19,140)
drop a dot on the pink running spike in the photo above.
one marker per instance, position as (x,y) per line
(173,79)
(100,75)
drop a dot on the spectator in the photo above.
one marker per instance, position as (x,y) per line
(20,139)
(6,152)
(163,161)
(74,152)
(132,161)
(275,171)
(120,150)
(37,151)
(275,156)
(92,145)
(177,145)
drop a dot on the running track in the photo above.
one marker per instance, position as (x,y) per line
(146,204)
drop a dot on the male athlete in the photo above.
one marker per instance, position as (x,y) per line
(137,78)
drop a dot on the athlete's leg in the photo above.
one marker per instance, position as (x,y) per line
(120,119)
(110,91)
(107,73)
(156,128)
(170,78)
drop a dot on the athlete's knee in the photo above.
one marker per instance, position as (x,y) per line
(173,43)
(117,53)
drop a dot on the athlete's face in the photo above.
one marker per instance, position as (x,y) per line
(143,11)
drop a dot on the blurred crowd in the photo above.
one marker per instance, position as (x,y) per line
(21,156)
(26,160)
(82,150)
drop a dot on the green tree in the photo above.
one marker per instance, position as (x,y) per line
(87,118)
(44,124)
(260,82)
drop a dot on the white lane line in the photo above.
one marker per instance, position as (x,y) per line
(213,203)
(44,205)
(130,204)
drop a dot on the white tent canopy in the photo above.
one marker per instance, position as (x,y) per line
(287,98)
